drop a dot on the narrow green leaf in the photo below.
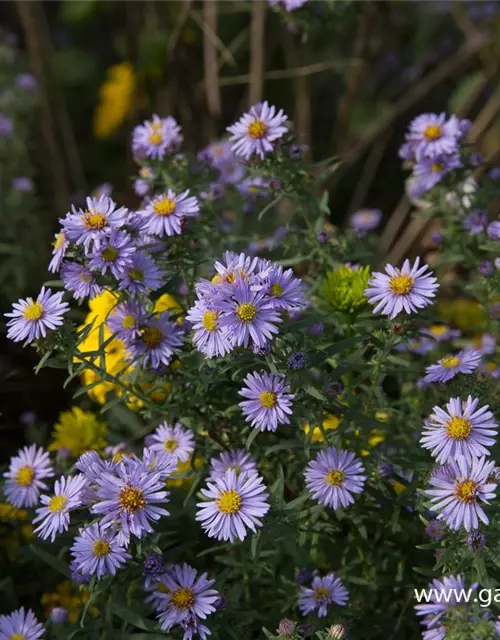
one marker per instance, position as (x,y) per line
(54,562)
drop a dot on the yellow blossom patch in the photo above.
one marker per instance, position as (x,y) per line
(78,431)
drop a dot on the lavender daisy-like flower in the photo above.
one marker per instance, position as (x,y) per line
(152,569)
(24,479)
(364,221)
(96,552)
(164,214)
(54,515)
(187,598)
(322,592)
(248,315)
(129,499)
(114,253)
(475,222)
(435,529)
(233,266)
(459,491)
(408,289)
(429,171)
(80,281)
(142,275)
(256,131)
(235,504)
(433,135)
(31,319)
(334,476)
(462,430)
(20,625)
(60,244)
(91,225)
(269,400)
(158,341)
(156,137)
(476,541)
(210,337)
(126,319)
(444,594)
(239,460)
(176,441)
(441,332)
(450,366)
(288,5)
(285,290)
(23,184)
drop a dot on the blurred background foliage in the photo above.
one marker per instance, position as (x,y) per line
(349,74)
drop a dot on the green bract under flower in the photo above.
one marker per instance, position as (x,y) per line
(344,288)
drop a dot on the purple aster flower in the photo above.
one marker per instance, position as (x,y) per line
(459,491)
(385,469)
(420,346)
(288,5)
(165,213)
(322,237)
(26,81)
(441,332)
(91,225)
(153,569)
(210,337)
(239,460)
(462,430)
(297,360)
(475,222)
(435,529)
(217,153)
(476,541)
(104,189)
(232,266)
(435,633)
(429,171)
(408,289)
(126,319)
(484,344)
(54,515)
(20,625)
(80,281)
(96,552)
(322,592)
(444,594)
(142,275)
(59,615)
(256,131)
(23,480)
(30,319)
(154,138)
(23,184)
(285,290)
(263,350)
(143,184)
(305,576)
(450,366)
(6,126)
(316,329)
(158,461)
(235,503)
(114,253)
(254,187)
(77,575)
(61,244)
(176,441)
(187,598)
(493,230)
(269,401)
(334,476)
(434,135)
(248,315)
(129,499)
(486,268)
(437,238)
(494,173)
(334,388)
(158,341)
(365,220)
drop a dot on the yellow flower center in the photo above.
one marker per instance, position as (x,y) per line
(155,138)
(34,311)
(59,241)
(17,636)
(257,129)
(131,499)
(170,445)
(401,284)
(85,277)
(459,428)
(152,337)
(164,207)
(137,275)
(94,221)
(183,598)
(321,593)
(437,167)
(268,399)
(438,329)
(335,478)
(432,132)
(25,476)
(276,290)
(450,362)
(466,491)
(246,312)
(101,548)
(109,254)
(57,504)
(145,172)
(210,320)
(229,502)
(128,321)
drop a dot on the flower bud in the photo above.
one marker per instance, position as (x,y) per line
(286,627)
(337,631)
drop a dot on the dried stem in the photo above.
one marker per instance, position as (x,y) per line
(257,51)
(210,62)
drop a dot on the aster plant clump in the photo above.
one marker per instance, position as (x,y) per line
(283,425)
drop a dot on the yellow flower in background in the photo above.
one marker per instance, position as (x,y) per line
(78,431)
(183,477)
(116,97)
(329,423)
(399,487)
(166,302)
(8,512)
(65,597)
(382,416)
(463,313)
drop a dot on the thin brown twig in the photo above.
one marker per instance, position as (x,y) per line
(283,74)
(414,230)
(485,117)
(394,223)
(368,174)
(211,69)
(179,26)
(257,51)
(212,35)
